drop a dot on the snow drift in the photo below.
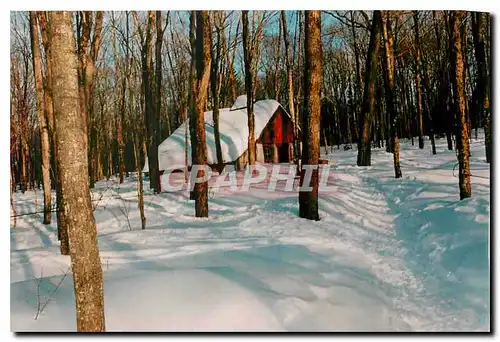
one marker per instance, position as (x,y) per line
(387,255)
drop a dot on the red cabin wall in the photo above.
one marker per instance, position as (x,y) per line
(279,130)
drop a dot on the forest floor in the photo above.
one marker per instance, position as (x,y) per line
(387,255)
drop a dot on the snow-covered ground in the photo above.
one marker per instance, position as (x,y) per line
(387,255)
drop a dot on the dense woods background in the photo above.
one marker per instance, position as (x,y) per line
(134,72)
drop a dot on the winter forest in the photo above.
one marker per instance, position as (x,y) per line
(250,171)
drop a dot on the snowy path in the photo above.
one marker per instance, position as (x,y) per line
(386,255)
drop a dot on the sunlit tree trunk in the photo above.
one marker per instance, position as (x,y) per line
(216,55)
(456,18)
(72,160)
(42,120)
(308,200)
(203,40)
(289,79)
(248,56)
(390,92)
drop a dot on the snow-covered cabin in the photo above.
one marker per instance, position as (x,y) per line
(273,136)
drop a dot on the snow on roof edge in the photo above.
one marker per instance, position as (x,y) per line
(233,127)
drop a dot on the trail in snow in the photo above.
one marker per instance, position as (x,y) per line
(387,255)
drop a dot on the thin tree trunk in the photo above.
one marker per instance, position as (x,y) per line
(192,89)
(158,96)
(216,84)
(308,200)
(140,188)
(122,97)
(149,105)
(291,105)
(248,55)
(458,90)
(358,88)
(203,40)
(62,222)
(277,70)
(366,116)
(420,126)
(42,120)
(72,160)
(483,80)
(390,92)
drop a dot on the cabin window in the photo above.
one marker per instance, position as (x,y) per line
(268,153)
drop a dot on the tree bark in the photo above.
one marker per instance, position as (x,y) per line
(216,83)
(192,89)
(149,105)
(203,39)
(482,80)
(248,55)
(72,160)
(308,200)
(420,127)
(42,120)
(366,115)
(277,70)
(289,74)
(390,92)
(140,187)
(62,223)
(458,91)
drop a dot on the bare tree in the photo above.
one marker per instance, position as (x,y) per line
(251,52)
(147,86)
(88,50)
(308,200)
(62,222)
(203,41)
(248,55)
(44,131)
(289,73)
(73,162)
(215,82)
(390,70)
(456,18)
(418,82)
(364,148)
(482,99)
(191,96)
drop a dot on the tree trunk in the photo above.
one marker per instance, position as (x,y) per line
(149,105)
(121,71)
(62,223)
(390,71)
(277,70)
(216,84)
(248,55)
(482,80)
(366,115)
(72,160)
(357,90)
(140,188)
(420,127)
(203,40)
(289,73)
(458,91)
(44,131)
(192,89)
(158,97)
(308,200)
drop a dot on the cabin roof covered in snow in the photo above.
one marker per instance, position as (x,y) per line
(233,127)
